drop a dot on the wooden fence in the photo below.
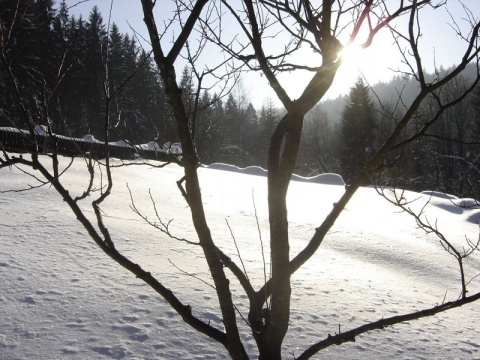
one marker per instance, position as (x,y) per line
(22,141)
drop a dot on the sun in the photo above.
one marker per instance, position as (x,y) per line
(352,65)
(352,55)
(373,63)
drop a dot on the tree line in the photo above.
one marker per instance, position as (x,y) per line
(441,156)
(72,66)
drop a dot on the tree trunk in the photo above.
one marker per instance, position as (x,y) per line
(281,163)
(192,191)
(282,156)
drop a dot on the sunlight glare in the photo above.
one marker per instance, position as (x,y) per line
(351,54)
(354,63)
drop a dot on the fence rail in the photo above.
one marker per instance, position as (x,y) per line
(22,141)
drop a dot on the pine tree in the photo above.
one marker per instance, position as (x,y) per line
(117,71)
(146,112)
(74,89)
(188,89)
(250,130)
(95,48)
(120,109)
(26,33)
(357,131)
(208,135)
(232,121)
(268,120)
(61,22)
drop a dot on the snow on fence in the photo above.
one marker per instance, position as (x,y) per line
(15,140)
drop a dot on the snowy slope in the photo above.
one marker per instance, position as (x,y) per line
(62,298)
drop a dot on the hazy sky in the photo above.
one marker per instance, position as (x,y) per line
(439,41)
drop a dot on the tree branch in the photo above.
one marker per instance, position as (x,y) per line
(351,335)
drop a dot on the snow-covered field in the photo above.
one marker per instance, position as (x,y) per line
(61,297)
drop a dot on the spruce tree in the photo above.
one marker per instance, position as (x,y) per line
(74,89)
(95,36)
(26,39)
(232,121)
(188,89)
(250,131)
(268,120)
(357,131)
(208,137)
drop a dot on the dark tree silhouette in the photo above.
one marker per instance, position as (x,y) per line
(300,23)
(357,131)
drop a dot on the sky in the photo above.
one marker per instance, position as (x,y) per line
(63,298)
(439,43)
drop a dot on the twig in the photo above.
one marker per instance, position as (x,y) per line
(238,250)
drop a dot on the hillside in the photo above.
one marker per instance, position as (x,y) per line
(63,298)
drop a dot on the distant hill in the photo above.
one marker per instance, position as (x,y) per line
(388,92)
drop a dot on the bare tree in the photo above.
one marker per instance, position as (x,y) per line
(319,27)
(300,23)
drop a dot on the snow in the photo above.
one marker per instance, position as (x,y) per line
(150,146)
(90,138)
(439,194)
(63,298)
(121,143)
(328,178)
(175,148)
(41,130)
(468,203)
